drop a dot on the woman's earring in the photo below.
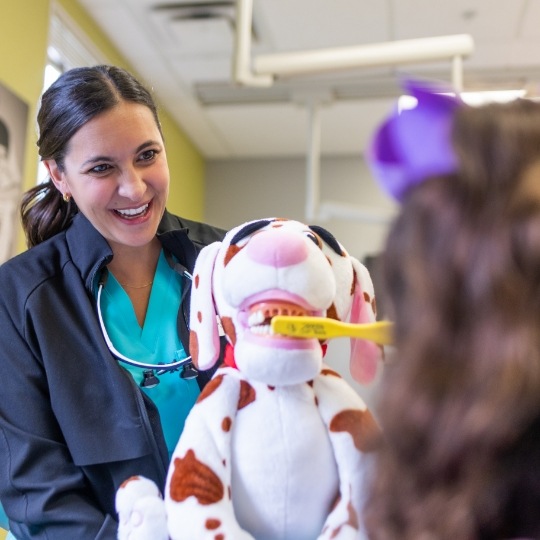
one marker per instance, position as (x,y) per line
(67,197)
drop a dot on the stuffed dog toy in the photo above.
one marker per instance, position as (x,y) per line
(275,447)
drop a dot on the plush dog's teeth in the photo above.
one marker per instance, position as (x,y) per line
(263,329)
(256,318)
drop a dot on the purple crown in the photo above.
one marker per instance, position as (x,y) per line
(415,144)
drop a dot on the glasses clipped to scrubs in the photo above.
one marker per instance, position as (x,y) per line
(151,372)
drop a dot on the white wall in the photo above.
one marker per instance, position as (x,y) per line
(242,190)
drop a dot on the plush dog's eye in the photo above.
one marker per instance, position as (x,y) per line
(242,236)
(243,241)
(314,238)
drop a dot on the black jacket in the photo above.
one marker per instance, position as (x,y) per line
(73,424)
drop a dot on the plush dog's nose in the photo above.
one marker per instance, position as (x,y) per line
(277,248)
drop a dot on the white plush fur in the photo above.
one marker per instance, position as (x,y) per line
(276,446)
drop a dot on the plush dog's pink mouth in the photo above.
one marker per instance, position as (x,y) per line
(261,314)
(256,313)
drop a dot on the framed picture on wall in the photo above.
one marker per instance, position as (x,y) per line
(13,120)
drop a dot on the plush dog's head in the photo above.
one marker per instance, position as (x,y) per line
(275,267)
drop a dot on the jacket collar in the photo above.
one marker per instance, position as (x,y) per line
(90,252)
(174,237)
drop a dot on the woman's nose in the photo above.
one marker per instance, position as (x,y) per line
(132,185)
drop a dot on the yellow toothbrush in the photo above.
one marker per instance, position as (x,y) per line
(324,328)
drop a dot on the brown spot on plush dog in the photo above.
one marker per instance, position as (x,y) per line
(352,521)
(212,524)
(226,424)
(331,372)
(360,425)
(247,395)
(353,517)
(194,347)
(228,328)
(231,252)
(210,388)
(354,280)
(331,312)
(192,478)
(130,479)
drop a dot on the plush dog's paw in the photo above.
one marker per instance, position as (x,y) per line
(343,524)
(190,520)
(141,511)
(344,532)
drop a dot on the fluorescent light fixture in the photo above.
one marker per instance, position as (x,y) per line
(474,99)
(491,96)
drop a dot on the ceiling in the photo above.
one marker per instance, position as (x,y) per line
(184,50)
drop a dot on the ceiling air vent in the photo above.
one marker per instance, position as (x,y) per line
(199,10)
(215,16)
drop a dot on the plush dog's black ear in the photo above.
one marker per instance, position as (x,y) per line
(328,238)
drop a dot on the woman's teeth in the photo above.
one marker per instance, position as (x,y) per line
(133,212)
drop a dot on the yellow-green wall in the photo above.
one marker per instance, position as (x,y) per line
(23,53)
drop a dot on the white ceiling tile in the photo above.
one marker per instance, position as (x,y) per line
(300,25)
(261,130)
(530,22)
(483,19)
(200,37)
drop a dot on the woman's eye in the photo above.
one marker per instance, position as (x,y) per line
(98,169)
(148,155)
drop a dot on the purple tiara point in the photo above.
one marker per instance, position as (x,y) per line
(415,144)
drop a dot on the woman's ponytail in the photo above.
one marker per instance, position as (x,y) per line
(44,213)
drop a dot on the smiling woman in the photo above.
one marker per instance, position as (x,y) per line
(121,185)
(76,421)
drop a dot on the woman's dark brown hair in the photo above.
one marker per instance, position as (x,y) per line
(460,406)
(75,98)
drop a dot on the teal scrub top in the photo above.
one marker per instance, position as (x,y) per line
(156,342)
(3,519)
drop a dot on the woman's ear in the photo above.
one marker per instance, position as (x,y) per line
(57,175)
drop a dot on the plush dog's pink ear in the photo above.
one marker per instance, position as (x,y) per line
(365,355)
(204,331)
